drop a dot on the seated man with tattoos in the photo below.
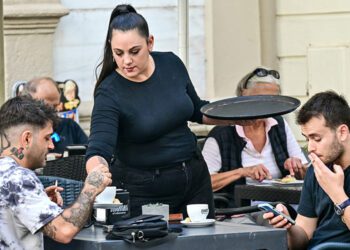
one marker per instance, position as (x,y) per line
(26,209)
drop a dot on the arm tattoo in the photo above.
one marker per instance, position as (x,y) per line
(95,179)
(78,213)
(50,230)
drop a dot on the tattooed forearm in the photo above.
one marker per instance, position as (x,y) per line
(80,211)
(95,179)
(102,160)
(50,230)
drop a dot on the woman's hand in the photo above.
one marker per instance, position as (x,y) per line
(53,192)
(295,167)
(257,172)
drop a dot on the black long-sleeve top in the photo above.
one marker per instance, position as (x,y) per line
(144,124)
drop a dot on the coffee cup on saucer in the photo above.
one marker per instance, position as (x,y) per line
(197,212)
(106,196)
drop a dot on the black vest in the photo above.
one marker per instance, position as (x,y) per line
(231,146)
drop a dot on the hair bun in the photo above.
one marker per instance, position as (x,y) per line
(122,9)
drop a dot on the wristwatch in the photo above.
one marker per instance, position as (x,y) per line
(339,208)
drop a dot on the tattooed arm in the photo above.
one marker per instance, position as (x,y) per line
(65,226)
(94,161)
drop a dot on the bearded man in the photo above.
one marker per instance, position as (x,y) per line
(324,208)
(26,210)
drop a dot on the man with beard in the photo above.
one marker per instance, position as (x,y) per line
(324,208)
(26,210)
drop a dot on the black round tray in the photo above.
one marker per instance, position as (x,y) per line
(250,107)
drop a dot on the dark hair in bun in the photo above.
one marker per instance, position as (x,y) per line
(124,17)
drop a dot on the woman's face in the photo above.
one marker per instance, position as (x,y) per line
(131,53)
(262,88)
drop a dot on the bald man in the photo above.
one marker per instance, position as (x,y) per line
(68,131)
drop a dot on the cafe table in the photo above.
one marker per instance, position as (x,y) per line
(245,193)
(222,235)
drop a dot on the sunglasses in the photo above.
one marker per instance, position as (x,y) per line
(260,72)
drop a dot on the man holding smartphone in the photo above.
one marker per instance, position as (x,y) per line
(324,208)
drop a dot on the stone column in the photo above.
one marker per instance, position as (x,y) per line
(29,26)
(2,96)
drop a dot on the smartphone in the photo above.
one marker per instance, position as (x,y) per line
(268,208)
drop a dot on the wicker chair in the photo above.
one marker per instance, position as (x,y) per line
(332,246)
(71,190)
(72,167)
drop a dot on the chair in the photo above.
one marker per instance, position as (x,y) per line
(17,88)
(201,142)
(332,246)
(71,167)
(221,200)
(71,190)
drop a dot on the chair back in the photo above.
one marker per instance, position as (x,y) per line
(71,189)
(71,167)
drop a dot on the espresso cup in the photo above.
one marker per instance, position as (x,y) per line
(197,212)
(106,196)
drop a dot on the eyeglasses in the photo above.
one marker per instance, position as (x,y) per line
(260,72)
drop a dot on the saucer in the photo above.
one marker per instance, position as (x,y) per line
(106,205)
(205,223)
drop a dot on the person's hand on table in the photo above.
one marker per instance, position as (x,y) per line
(257,172)
(278,221)
(53,192)
(295,167)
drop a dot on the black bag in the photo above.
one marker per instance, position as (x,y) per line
(142,231)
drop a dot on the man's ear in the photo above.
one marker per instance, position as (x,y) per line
(26,139)
(343,132)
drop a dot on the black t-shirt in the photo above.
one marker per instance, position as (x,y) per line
(145,123)
(70,133)
(314,202)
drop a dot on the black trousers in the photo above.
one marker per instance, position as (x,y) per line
(179,185)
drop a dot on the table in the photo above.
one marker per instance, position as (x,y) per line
(245,193)
(223,235)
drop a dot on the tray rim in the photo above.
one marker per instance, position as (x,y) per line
(294,101)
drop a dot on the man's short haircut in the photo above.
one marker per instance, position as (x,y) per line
(32,86)
(24,110)
(333,107)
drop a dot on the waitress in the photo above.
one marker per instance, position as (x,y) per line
(142,103)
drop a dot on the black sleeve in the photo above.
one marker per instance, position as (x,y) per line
(197,116)
(104,125)
(197,103)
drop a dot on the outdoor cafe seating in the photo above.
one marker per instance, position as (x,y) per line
(71,188)
(71,167)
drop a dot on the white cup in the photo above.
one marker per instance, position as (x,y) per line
(107,195)
(197,212)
